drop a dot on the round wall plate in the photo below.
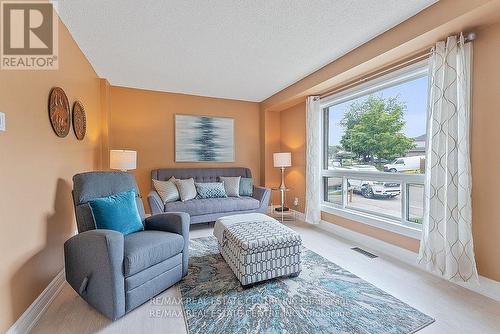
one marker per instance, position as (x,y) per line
(59,112)
(79,120)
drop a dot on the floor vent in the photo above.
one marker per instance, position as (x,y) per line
(365,253)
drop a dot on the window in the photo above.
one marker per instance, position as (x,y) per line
(374,150)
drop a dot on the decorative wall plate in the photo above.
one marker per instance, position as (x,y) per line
(79,120)
(59,112)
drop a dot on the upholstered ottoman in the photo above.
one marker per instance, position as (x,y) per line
(258,247)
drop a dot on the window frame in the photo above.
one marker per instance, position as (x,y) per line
(402,225)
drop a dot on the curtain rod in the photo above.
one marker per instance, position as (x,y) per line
(415,58)
(377,73)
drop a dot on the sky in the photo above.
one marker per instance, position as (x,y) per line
(414,93)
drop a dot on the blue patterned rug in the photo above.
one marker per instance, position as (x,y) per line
(325,298)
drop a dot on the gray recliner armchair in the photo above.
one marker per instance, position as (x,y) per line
(116,273)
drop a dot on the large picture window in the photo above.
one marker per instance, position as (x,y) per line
(374,150)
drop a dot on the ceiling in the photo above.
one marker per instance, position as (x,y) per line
(245,50)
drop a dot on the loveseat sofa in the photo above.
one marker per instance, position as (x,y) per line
(209,209)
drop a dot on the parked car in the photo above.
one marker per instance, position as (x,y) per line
(404,164)
(335,164)
(373,189)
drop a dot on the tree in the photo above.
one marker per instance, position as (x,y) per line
(373,129)
(333,150)
(337,154)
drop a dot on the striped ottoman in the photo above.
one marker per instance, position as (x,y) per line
(258,247)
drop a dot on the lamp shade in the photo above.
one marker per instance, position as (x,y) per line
(122,159)
(283,159)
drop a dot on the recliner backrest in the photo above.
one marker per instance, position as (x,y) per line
(91,185)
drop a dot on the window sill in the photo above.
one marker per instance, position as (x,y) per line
(378,222)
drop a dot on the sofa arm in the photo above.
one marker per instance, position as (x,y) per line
(175,222)
(155,202)
(93,264)
(263,195)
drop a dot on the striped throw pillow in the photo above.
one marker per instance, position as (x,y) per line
(167,190)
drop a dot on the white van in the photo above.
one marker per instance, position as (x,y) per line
(404,164)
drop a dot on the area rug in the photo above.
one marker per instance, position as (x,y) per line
(325,298)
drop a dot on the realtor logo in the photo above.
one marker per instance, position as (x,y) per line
(28,36)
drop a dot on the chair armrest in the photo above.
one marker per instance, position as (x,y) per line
(93,265)
(174,222)
(263,195)
(155,202)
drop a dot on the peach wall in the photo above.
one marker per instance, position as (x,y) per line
(36,168)
(293,139)
(105,99)
(272,136)
(143,120)
(390,237)
(485,157)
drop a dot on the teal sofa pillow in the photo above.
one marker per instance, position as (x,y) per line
(210,190)
(246,186)
(117,212)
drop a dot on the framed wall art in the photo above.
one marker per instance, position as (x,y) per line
(204,138)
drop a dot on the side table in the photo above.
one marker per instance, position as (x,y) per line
(280,212)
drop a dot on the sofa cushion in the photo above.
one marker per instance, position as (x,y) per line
(231,185)
(145,249)
(210,190)
(213,205)
(167,190)
(187,189)
(246,186)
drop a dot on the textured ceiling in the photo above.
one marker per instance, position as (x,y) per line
(246,50)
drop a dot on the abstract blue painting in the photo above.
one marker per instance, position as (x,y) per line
(204,138)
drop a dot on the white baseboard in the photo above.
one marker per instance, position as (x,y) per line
(487,287)
(29,318)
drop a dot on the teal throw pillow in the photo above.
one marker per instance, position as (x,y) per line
(210,190)
(117,212)
(246,186)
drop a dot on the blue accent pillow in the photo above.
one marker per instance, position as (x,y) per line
(210,190)
(246,186)
(117,212)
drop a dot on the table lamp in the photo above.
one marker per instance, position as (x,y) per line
(122,160)
(282,160)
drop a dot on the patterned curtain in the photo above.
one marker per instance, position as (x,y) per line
(446,247)
(313,156)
